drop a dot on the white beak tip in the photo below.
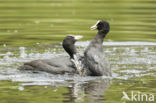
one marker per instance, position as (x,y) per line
(95,25)
(78,37)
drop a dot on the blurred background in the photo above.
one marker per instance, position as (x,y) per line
(27,22)
(33,29)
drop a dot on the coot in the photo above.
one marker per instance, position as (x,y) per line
(59,65)
(94,57)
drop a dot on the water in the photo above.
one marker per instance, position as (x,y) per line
(133,66)
(34,29)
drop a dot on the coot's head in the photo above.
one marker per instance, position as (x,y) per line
(68,44)
(101,25)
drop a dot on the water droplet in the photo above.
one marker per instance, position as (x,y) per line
(37,22)
(22,52)
(9,53)
(127,49)
(55,90)
(21,88)
(114,49)
(37,43)
(15,31)
(4,45)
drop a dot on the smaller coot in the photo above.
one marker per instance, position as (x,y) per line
(58,65)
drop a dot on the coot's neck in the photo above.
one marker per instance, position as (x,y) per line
(70,49)
(72,55)
(99,37)
(72,52)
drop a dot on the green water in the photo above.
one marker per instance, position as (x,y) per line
(27,22)
(44,23)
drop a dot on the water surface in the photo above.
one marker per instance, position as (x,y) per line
(133,66)
(34,29)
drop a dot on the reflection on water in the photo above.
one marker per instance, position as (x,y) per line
(133,66)
(92,90)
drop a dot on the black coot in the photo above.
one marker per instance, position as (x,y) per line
(59,65)
(94,57)
(92,63)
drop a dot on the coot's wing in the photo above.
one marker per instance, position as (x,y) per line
(54,65)
(97,63)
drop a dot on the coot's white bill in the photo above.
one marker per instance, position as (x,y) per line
(94,26)
(76,37)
